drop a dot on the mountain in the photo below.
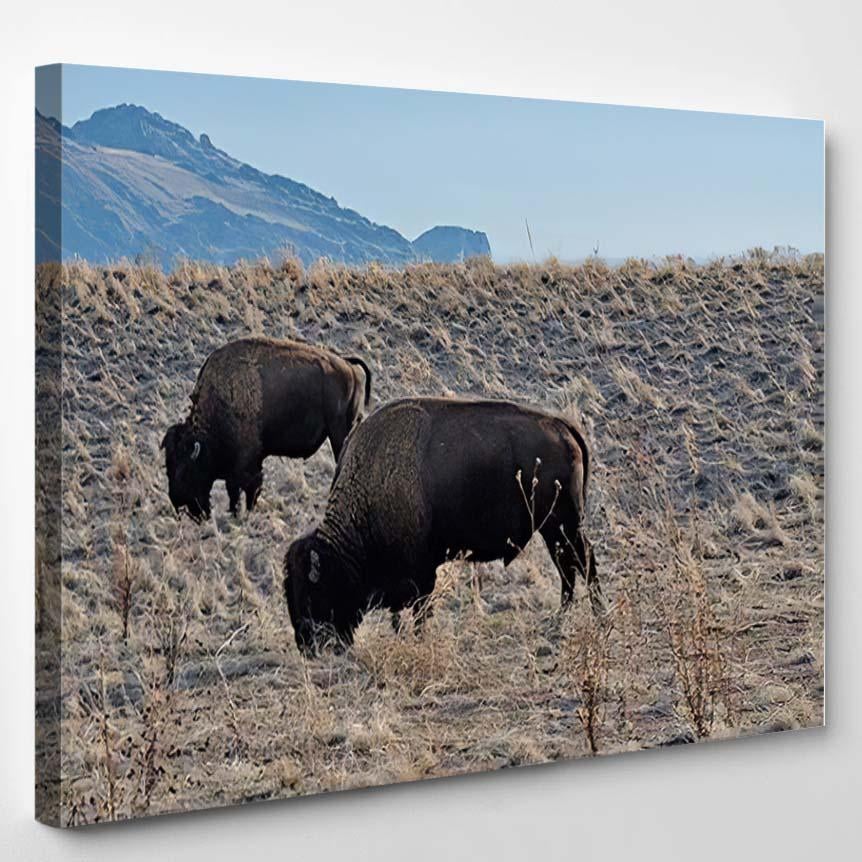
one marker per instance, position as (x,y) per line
(446,243)
(136,184)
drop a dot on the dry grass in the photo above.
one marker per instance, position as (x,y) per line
(701,389)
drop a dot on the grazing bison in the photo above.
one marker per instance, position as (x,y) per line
(422,480)
(258,397)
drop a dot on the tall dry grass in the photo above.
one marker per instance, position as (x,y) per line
(701,391)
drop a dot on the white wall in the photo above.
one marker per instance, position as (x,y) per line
(791,796)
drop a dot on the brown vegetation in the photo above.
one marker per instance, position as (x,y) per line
(701,391)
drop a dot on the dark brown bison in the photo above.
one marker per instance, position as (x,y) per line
(422,480)
(254,398)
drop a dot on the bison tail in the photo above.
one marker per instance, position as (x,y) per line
(585,453)
(355,360)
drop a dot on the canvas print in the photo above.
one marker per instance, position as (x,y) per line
(386,435)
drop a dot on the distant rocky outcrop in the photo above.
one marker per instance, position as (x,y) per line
(446,243)
(137,185)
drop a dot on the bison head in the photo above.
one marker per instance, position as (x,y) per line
(190,480)
(323,603)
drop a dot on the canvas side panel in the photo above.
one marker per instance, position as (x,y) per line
(48,442)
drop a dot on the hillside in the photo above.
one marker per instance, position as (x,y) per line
(137,185)
(446,244)
(700,389)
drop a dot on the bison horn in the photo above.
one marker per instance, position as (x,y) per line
(314,572)
(196,451)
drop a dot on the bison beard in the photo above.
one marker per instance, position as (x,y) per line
(423,480)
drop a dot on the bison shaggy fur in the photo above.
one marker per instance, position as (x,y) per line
(254,398)
(424,480)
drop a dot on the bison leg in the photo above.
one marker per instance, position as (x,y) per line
(337,432)
(511,553)
(233,492)
(564,561)
(246,476)
(573,555)
(252,491)
(597,598)
(421,586)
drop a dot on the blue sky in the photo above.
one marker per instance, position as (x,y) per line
(637,181)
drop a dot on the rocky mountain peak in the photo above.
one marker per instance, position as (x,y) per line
(188,198)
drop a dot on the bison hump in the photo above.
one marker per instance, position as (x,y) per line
(228,384)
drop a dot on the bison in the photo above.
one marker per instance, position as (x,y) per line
(422,480)
(258,397)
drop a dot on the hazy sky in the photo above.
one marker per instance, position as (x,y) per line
(639,181)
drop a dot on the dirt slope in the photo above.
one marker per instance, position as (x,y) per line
(701,392)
